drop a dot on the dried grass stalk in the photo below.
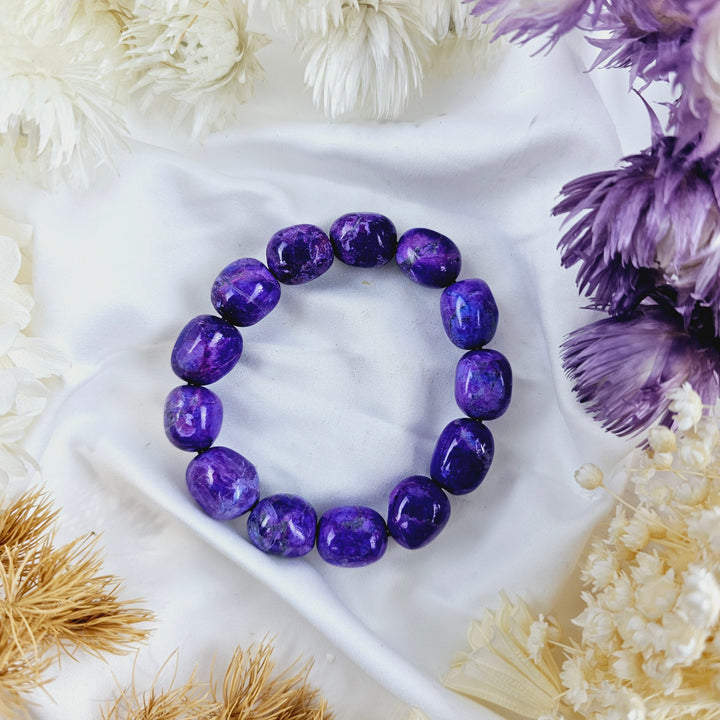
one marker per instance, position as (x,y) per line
(53,601)
(249,691)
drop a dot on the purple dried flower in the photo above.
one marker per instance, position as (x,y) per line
(654,222)
(625,367)
(524,20)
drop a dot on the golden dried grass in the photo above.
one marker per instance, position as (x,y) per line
(54,600)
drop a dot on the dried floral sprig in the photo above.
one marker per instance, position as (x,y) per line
(648,644)
(198,56)
(27,363)
(54,600)
(370,61)
(250,690)
(60,90)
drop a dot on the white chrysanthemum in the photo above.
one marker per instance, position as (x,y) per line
(368,63)
(462,38)
(59,86)
(197,55)
(298,15)
(25,362)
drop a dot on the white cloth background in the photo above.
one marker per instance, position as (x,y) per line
(342,390)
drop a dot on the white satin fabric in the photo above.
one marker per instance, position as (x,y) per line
(341,391)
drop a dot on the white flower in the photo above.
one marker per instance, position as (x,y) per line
(656,596)
(24,361)
(574,676)
(662,439)
(662,460)
(589,476)
(601,569)
(58,92)
(681,643)
(198,55)
(541,631)
(314,15)
(637,533)
(704,527)
(686,406)
(598,625)
(370,61)
(699,599)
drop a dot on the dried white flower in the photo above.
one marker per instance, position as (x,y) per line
(316,16)
(699,599)
(574,676)
(686,406)
(662,439)
(59,87)
(24,361)
(598,625)
(657,595)
(601,569)
(370,61)
(197,55)
(703,526)
(589,476)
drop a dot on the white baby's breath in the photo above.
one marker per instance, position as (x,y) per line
(650,627)
(26,362)
(195,56)
(370,61)
(589,476)
(686,406)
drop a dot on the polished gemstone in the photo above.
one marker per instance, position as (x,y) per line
(193,417)
(245,292)
(283,525)
(224,483)
(483,384)
(351,536)
(299,253)
(417,511)
(428,257)
(207,348)
(364,239)
(462,456)
(469,313)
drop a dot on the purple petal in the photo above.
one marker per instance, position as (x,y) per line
(624,368)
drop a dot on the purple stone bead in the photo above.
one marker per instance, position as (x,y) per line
(462,456)
(469,313)
(245,292)
(283,525)
(193,417)
(223,483)
(207,348)
(417,511)
(299,253)
(351,536)
(428,258)
(364,239)
(483,384)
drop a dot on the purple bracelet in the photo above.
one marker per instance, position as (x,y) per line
(226,485)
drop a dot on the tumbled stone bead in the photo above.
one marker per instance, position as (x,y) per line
(207,348)
(462,456)
(364,239)
(351,536)
(299,253)
(483,384)
(428,257)
(245,292)
(223,483)
(193,417)
(417,511)
(469,313)
(283,525)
